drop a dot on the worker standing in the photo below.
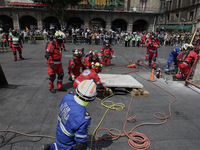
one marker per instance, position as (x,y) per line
(16,44)
(53,57)
(152,46)
(73,119)
(3,41)
(107,53)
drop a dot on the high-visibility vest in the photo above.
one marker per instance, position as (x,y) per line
(15,39)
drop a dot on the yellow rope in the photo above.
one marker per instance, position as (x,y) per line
(115,106)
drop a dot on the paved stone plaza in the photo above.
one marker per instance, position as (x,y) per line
(27,106)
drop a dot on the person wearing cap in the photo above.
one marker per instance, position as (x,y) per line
(172,58)
(91,58)
(75,64)
(185,61)
(73,119)
(53,57)
(16,45)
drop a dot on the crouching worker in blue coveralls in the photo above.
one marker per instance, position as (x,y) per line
(73,119)
(172,57)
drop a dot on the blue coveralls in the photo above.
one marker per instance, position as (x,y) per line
(73,123)
(172,57)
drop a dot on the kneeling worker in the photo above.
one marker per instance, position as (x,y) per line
(73,119)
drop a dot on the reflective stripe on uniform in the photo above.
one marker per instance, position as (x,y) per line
(80,136)
(63,129)
(56,62)
(77,81)
(56,148)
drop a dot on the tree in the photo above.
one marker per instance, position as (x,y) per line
(60,7)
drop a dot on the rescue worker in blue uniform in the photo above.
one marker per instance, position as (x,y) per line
(172,58)
(73,119)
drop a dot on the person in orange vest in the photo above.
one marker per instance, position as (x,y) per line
(93,38)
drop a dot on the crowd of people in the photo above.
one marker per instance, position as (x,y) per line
(73,118)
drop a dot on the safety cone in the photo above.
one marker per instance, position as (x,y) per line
(131,66)
(152,76)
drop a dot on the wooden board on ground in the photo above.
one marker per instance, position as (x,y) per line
(139,92)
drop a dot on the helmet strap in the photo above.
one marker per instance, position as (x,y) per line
(83,101)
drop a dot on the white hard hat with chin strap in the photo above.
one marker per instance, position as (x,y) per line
(86,90)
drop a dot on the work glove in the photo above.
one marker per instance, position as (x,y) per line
(109,91)
(10,46)
(156,46)
(73,77)
(52,66)
(111,57)
(21,46)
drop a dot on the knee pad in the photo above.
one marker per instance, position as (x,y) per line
(52,78)
(154,59)
(61,75)
(20,52)
(14,53)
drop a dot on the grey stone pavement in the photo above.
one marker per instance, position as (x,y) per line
(27,106)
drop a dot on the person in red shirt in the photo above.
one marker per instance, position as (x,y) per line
(16,44)
(107,53)
(185,61)
(91,58)
(143,39)
(92,74)
(53,57)
(152,46)
(75,64)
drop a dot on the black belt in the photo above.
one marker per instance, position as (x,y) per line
(56,60)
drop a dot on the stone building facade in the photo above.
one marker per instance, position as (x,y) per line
(127,15)
(180,15)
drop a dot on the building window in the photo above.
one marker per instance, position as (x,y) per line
(191,15)
(179,3)
(143,4)
(193,2)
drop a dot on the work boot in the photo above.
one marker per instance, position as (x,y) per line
(21,58)
(62,90)
(15,60)
(52,91)
(45,147)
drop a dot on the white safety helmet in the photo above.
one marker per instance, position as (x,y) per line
(185,46)
(87,90)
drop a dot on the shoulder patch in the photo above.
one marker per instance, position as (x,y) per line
(87,115)
(86,72)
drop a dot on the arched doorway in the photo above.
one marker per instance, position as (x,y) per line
(140,25)
(97,22)
(51,23)
(119,25)
(29,22)
(75,22)
(6,22)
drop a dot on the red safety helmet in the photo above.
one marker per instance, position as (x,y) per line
(78,53)
(96,67)
(94,55)
(106,42)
